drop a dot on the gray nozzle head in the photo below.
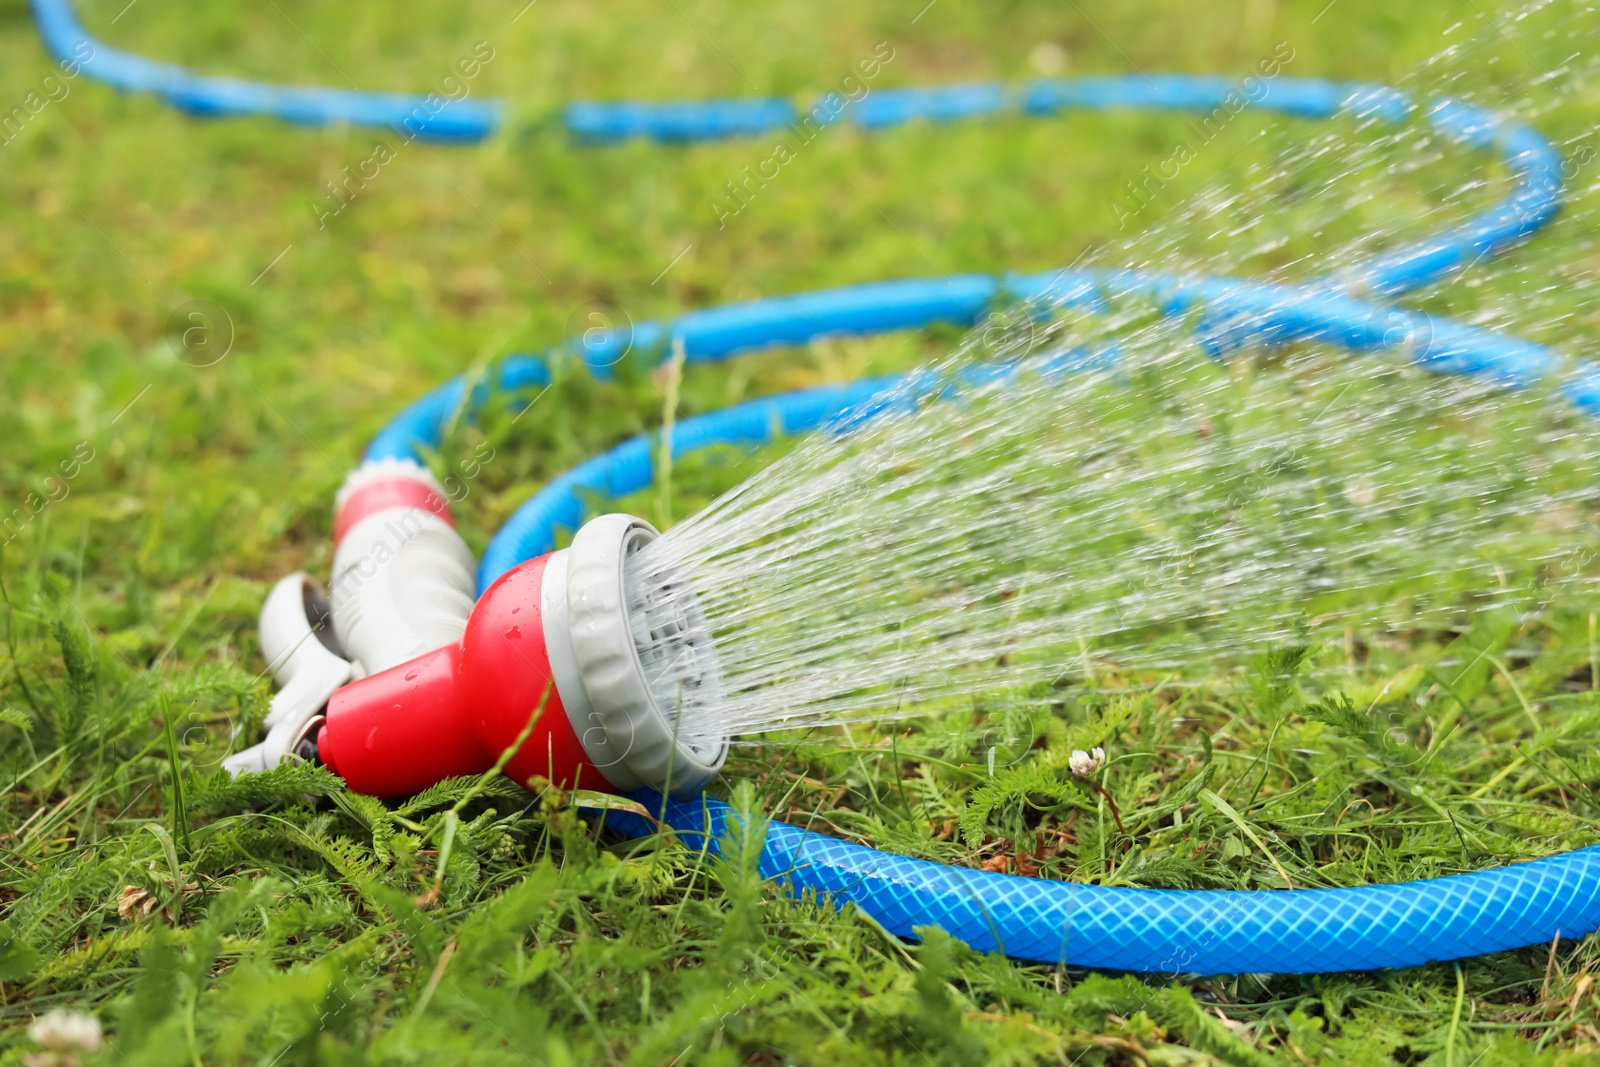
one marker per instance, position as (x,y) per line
(644,652)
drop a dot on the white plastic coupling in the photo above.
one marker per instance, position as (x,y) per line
(305,659)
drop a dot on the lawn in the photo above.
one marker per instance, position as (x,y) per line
(282,920)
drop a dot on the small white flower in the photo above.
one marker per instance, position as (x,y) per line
(1084,763)
(1048,58)
(1361,492)
(64,1030)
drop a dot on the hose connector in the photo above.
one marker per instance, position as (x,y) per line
(306,660)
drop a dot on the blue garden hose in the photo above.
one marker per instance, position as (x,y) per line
(1152,930)
(200,94)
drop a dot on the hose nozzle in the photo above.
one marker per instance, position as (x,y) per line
(620,660)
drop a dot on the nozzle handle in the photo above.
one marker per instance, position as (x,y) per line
(403,581)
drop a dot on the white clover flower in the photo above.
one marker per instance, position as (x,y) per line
(63,1030)
(1048,58)
(1083,764)
(1361,492)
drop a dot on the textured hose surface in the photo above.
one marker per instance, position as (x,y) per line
(1151,930)
(1169,930)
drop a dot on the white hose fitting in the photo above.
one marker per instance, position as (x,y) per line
(305,659)
(403,580)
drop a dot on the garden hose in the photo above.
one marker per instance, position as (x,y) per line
(1150,930)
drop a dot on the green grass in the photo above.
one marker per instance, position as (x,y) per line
(290,922)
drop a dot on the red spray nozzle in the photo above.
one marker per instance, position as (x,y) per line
(559,632)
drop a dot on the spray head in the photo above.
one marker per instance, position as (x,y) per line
(618,657)
(644,657)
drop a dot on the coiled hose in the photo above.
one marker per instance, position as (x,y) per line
(1151,930)
(1208,932)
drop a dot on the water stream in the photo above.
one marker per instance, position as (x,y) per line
(1116,503)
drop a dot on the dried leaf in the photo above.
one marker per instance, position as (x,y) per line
(135,902)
